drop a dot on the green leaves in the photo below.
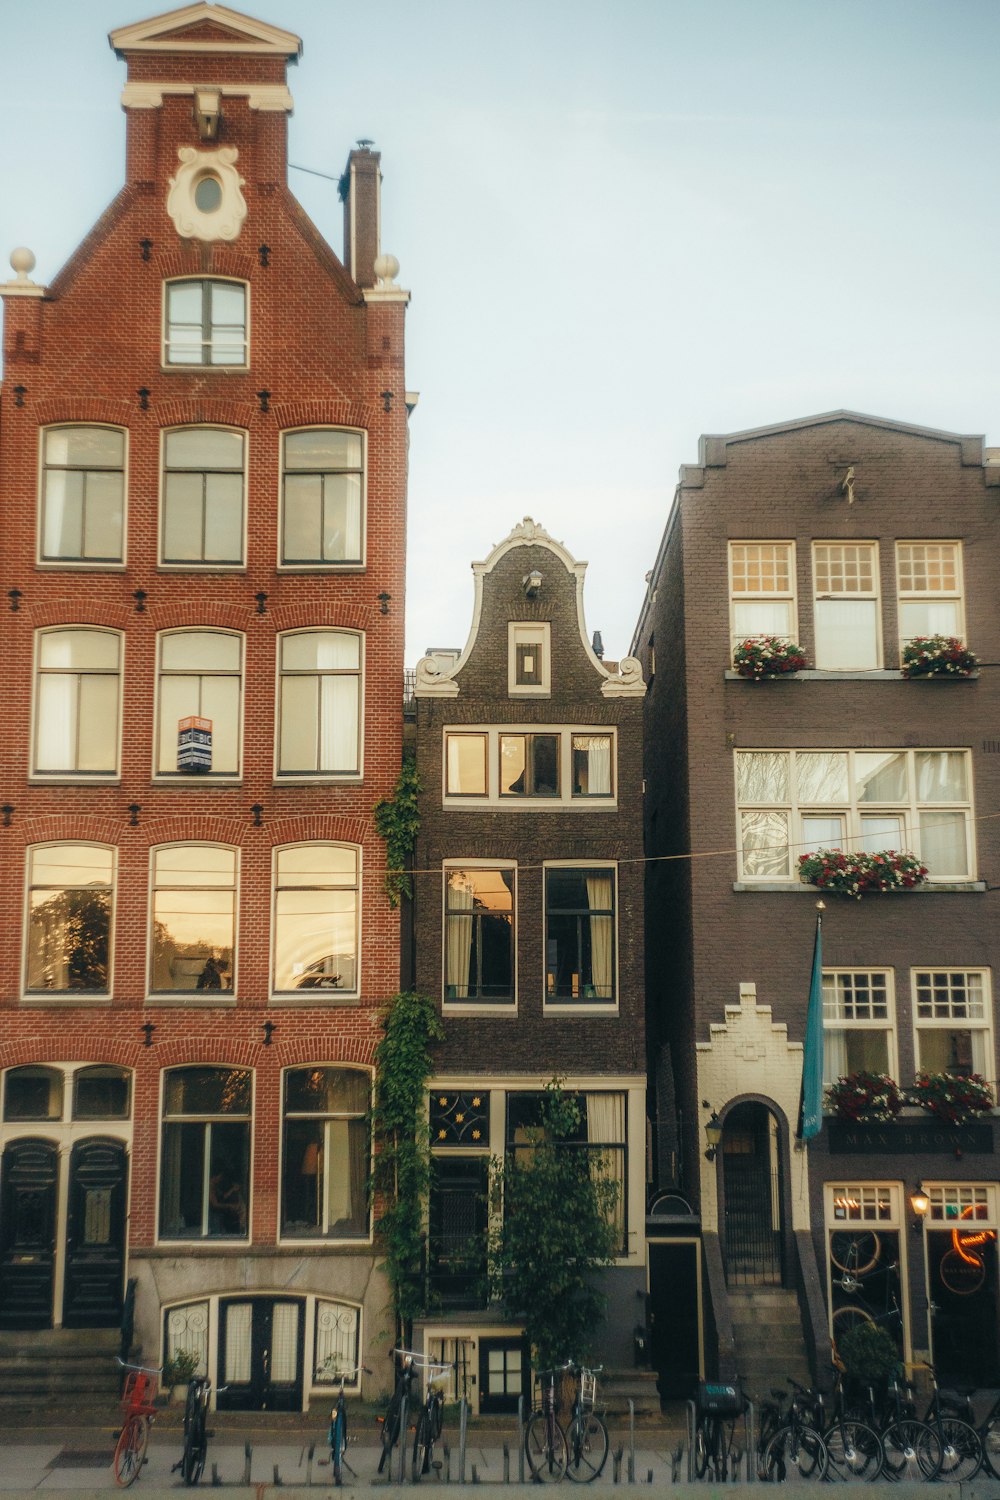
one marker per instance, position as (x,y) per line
(397,820)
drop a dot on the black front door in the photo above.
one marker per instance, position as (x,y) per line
(30,1173)
(260,1353)
(504,1372)
(751,1186)
(965,1309)
(95,1235)
(675,1311)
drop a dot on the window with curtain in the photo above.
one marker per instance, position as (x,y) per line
(203,473)
(205,323)
(857,1021)
(193,920)
(601,1133)
(592,765)
(515,766)
(791,802)
(320,704)
(70,906)
(846,605)
(929,581)
(200,676)
(762,590)
(952,1011)
(315,937)
(323,488)
(77,694)
(580,934)
(205,1154)
(83,495)
(479,935)
(324,1179)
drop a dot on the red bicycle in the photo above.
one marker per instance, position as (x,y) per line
(138,1412)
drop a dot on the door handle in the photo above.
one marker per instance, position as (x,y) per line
(266,1361)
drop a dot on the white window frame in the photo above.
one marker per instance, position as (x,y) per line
(300,999)
(581,1007)
(196,998)
(492,797)
(853,1204)
(960,1197)
(239,1242)
(80,998)
(886,1028)
(536,633)
(113,775)
(193,565)
(479,1007)
(788,595)
(821,643)
(907,596)
(283,778)
(166,364)
(303,1239)
(852,811)
(347,566)
(188,778)
(81,563)
(983,1025)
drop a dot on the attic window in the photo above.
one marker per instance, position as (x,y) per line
(528,663)
(207,194)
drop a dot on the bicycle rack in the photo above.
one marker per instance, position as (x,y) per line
(520,1439)
(463,1420)
(247,1462)
(747,1457)
(631,1441)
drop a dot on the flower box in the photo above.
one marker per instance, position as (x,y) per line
(857,873)
(940,656)
(865,1098)
(955,1100)
(763,656)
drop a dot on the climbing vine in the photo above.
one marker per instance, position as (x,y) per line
(402,1169)
(397,819)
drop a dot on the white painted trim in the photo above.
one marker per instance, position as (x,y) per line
(266,97)
(351,566)
(287,778)
(156,34)
(101,997)
(210,778)
(581,1007)
(333,998)
(83,778)
(481,1008)
(492,797)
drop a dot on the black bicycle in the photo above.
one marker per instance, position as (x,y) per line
(854,1448)
(961,1445)
(795,1448)
(192,1460)
(337,1433)
(430,1420)
(403,1389)
(958,1402)
(587,1439)
(718,1406)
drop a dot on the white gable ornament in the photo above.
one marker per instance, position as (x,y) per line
(204,201)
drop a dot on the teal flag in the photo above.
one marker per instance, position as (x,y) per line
(811,1114)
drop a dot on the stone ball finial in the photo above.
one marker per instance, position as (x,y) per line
(22,261)
(386,268)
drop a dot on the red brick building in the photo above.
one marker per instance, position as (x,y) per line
(203,490)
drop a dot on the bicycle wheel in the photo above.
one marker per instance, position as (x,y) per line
(587,1445)
(130,1450)
(855,1253)
(437,1417)
(337,1445)
(545,1448)
(195,1449)
(991,1449)
(962,1457)
(854,1452)
(795,1453)
(422,1441)
(720,1451)
(390,1430)
(912,1450)
(703,1444)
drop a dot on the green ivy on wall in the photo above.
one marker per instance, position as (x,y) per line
(397,820)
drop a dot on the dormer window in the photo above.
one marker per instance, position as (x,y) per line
(528,660)
(205,322)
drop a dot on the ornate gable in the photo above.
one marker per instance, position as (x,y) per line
(205,28)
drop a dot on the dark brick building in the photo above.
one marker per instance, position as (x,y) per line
(528,902)
(848,535)
(202,479)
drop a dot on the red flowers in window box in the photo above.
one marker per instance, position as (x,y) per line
(767,656)
(865,1098)
(954,1099)
(856,873)
(938,656)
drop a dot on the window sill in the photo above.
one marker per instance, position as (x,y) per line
(793,887)
(479,1008)
(580,1008)
(529,804)
(811,674)
(195,999)
(79,565)
(312,999)
(74,778)
(62,999)
(347,566)
(201,567)
(195,778)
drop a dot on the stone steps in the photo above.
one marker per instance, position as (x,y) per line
(46,1366)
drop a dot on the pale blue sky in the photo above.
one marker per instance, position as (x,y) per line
(622,224)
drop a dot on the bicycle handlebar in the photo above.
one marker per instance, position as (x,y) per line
(143,1369)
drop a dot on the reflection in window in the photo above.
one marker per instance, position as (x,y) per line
(316,919)
(203,496)
(33,1093)
(529,765)
(69,925)
(465,760)
(193,919)
(206,323)
(600,1134)
(200,677)
(857,1023)
(102,1093)
(592,765)
(83,495)
(320,703)
(326,1153)
(322,492)
(205,1164)
(579,934)
(479,935)
(76,717)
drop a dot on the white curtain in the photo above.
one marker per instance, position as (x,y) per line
(606,1126)
(238,1325)
(57,702)
(458,937)
(284,1341)
(599,767)
(599,897)
(834,1056)
(338,727)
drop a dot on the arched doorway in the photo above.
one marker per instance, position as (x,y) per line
(752,1197)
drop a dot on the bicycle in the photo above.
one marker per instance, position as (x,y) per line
(959,1403)
(719,1406)
(797,1446)
(544,1440)
(854,1448)
(192,1460)
(961,1445)
(587,1439)
(912,1449)
(430,1420)
(390,1421)
(138,1411)
(337,1434)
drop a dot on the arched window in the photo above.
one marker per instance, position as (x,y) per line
(205,1163)
(193,920)
(200,676)
(33,1093)
(70,913)
(77,692)
(320,703)
(83,495)
(203,481)
(315,939)
(102,1092)
(322,497)
(326,1153)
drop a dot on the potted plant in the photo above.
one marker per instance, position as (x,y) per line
(865,1098)
(179,1368)
(767,656)
(855,872)
(869,1356)
(938,656)
(953,1099)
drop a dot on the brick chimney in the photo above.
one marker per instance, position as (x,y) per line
(361,192)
